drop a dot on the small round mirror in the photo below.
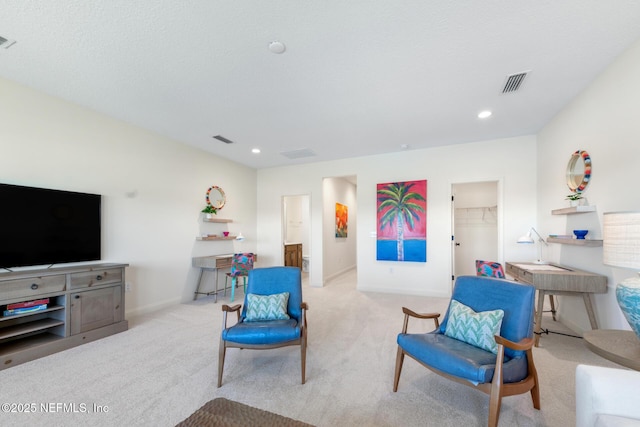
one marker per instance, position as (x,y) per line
(579,171)
(216,197)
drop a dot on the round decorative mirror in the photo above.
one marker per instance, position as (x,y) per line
(579,171)
(216,197)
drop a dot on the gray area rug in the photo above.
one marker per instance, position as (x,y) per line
(221,412)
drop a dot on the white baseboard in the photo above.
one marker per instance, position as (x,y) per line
(138,311)
(338,273)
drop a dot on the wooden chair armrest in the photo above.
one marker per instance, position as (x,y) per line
(407,312)
(523,345)
(304,307)
(412,313)
(232,308)
(229,309)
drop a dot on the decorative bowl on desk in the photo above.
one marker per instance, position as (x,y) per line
(580,234)
(226,233)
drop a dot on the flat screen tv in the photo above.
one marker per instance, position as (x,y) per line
(41,226)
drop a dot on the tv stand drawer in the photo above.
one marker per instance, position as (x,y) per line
(87,279)
(33,287)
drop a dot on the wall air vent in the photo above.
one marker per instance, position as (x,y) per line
(6,43)
(514,81)
(298,154)
(223,139)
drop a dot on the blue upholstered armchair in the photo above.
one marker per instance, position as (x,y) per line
(273,315)
(484,340)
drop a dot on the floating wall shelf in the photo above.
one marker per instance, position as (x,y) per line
(573,210)
(219,220)
(576,242)
(207,238)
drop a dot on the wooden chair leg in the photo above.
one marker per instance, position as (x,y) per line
(399,362)
(495,399)
(303,357)
(535,391)
(221,353)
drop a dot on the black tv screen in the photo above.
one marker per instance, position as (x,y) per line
(40,226)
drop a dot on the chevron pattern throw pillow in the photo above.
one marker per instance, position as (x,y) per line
(267,307)
(476,329)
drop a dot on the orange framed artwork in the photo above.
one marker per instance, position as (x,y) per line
(342,217)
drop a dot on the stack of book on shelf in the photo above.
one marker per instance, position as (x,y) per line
(561,236)
(26,307)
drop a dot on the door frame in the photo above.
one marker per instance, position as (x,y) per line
(499,225)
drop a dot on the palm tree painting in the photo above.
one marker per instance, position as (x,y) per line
(402,221)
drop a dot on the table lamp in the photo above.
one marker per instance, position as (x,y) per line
(621,248)
(528,239)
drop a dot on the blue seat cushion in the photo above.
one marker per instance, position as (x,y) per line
(266,332)
(460,359)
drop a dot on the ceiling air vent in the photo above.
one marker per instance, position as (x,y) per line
(514,81)
(6,43)
(298,154)
(223,139)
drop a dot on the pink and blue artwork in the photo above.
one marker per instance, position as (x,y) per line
(402,221)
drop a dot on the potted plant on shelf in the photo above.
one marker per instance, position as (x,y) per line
(209,211)
(575,199)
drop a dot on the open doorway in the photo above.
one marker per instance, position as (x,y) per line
(339,242)
(296,219)
(475,223)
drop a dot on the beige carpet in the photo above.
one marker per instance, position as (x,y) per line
(164,368)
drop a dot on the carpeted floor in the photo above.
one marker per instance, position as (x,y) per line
(164,368)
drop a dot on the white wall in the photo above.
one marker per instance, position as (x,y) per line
(603,120)
(296,217)
(339,252)
(512,161)
(153,188)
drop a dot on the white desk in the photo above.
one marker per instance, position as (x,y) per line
(213,263)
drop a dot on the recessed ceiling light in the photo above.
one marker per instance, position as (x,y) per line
(277,47)
(255,151)
(404,146)
(484,114)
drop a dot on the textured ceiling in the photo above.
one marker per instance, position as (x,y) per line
(357,78)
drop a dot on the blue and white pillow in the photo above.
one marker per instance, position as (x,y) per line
(267,307)
(477,329)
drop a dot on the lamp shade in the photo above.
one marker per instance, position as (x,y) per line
(621,239)
(526,238)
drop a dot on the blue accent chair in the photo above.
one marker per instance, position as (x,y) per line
(267,334)
(508,373)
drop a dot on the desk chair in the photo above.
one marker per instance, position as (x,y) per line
(489,269)
(241,264)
